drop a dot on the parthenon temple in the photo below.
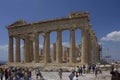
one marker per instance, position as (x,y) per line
(87,52)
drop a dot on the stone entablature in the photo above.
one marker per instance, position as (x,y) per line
(29,33)
(49,25)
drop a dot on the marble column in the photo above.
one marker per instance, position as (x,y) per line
(59,47)
(92,50)
(26,50)
(96,50)
(89,47)
(54,52)
(68,53)
(47,48)
(10,56)
(36,47)
(72,57)
(64,54)
(43,49)
(18,49)
(84,56)
(98,53)
(31,51)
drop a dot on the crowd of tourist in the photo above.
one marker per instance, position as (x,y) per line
(80,70)
(25,73)
(14,73)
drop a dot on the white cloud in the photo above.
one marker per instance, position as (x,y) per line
(66,44)
(4,47)
(113,36)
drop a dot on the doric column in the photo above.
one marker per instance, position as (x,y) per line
(92,50)
(98,53)
(68,53)
(96,50)
(84,56)
(94,57)
(47,48)
(54,52)
(26,50)
(18,49)
(43,49)
(10,56)
(59,47)
(31,51)
(72,57)
(89,47)
(36,47)
(64,54)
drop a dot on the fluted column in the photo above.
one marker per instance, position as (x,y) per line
(68,54)
(54,52)
(92,50)
(89,47)
(72,57)
(98,53)
(31,51)
(10,56)
(84,56)
(36,47)
(47,48)
(43,49)
(26,50)
(64,54)
(59,47)
(18,49)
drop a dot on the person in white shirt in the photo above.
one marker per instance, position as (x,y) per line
(75,77)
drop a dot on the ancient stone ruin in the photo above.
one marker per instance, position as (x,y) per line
(29,32)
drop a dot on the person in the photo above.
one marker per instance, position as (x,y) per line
(75,77)
(38,73)
(1,73)
(115,74)
(96,71)
(15,77)
(22,77)
(80,71)
(72,74)
(6,73)
(77,69)
(93,68)
(84,69)
(89,68)
(60,71)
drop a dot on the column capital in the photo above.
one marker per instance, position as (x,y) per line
(72,29)
(48,32)
(59,30)
(11,36)
(16,37)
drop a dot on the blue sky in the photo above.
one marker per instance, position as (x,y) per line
(104,16)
